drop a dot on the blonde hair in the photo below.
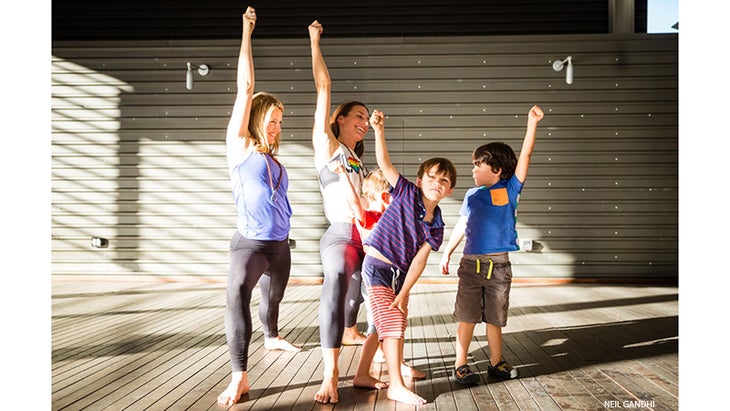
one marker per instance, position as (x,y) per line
(374,184)
(262,105)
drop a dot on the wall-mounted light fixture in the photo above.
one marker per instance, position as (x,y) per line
(559,64)
(202,70)
(99,242)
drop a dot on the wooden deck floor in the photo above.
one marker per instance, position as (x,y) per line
(162,346)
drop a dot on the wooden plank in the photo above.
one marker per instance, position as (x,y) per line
(569,352)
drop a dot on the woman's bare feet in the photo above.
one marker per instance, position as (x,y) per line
(278,343)
(353,336)
(408,371)
(404,395)
(234,391)
(368,381)
(328,391)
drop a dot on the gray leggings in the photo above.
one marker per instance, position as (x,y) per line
(252,261)
(342,254)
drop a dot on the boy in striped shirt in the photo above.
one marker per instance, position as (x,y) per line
(398,249)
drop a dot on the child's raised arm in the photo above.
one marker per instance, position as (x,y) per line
(523,163)
(377,120)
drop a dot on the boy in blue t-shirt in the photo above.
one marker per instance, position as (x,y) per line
(488,220)
(397,249)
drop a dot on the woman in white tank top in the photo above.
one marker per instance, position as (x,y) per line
(337,140)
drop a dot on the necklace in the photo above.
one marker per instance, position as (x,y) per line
(271,181)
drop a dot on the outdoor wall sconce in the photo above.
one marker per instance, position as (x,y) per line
(559,64)
(202,70)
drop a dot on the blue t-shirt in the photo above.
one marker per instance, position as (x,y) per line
(259,192)
(401,231)
(491,212)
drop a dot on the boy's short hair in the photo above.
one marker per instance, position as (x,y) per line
(498,156)
(374,184)
(443,165)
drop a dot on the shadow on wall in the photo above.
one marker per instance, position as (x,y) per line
(140,160)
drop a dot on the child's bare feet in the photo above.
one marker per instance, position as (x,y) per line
(234,391)
(404,395)
(328,391)
(368,381)
(352,336)
(408,371)
(278,343)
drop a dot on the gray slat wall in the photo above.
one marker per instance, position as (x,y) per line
(139,160)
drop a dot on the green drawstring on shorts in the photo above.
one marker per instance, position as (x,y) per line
(489,272)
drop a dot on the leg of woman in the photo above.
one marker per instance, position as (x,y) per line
(247,264)
(341,256)
(353,336)
(272,285)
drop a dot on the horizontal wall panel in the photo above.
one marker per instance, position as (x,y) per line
(140,160)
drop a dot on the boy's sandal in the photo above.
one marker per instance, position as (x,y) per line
(464,376)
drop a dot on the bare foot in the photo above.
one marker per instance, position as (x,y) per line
(278,343)
(404,395)
(328,391)
(368,381)
(408,371)
(237,387)
(352,336)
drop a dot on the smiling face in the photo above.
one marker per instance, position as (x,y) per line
(264,126)
(272,123)
(354,125)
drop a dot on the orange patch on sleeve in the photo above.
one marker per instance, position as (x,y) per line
(499,196)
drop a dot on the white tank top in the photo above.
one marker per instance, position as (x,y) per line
(336,205)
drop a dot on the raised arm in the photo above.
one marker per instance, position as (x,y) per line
(322,139)
(457,234)
(236,141)
(377,120)
(523,162)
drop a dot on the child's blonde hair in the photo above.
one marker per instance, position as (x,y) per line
(374,184)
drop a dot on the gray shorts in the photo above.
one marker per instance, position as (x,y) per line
(483,296)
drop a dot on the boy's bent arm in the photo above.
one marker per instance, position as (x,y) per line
(523,163)
(377,120)
(457,234)
(414,273)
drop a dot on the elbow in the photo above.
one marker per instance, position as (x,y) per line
(324,85)
(246,86)
(249,86)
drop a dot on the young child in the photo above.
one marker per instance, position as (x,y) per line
(397,250)
(488,221)
(368,209)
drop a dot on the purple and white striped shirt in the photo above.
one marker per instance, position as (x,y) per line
(401,231)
